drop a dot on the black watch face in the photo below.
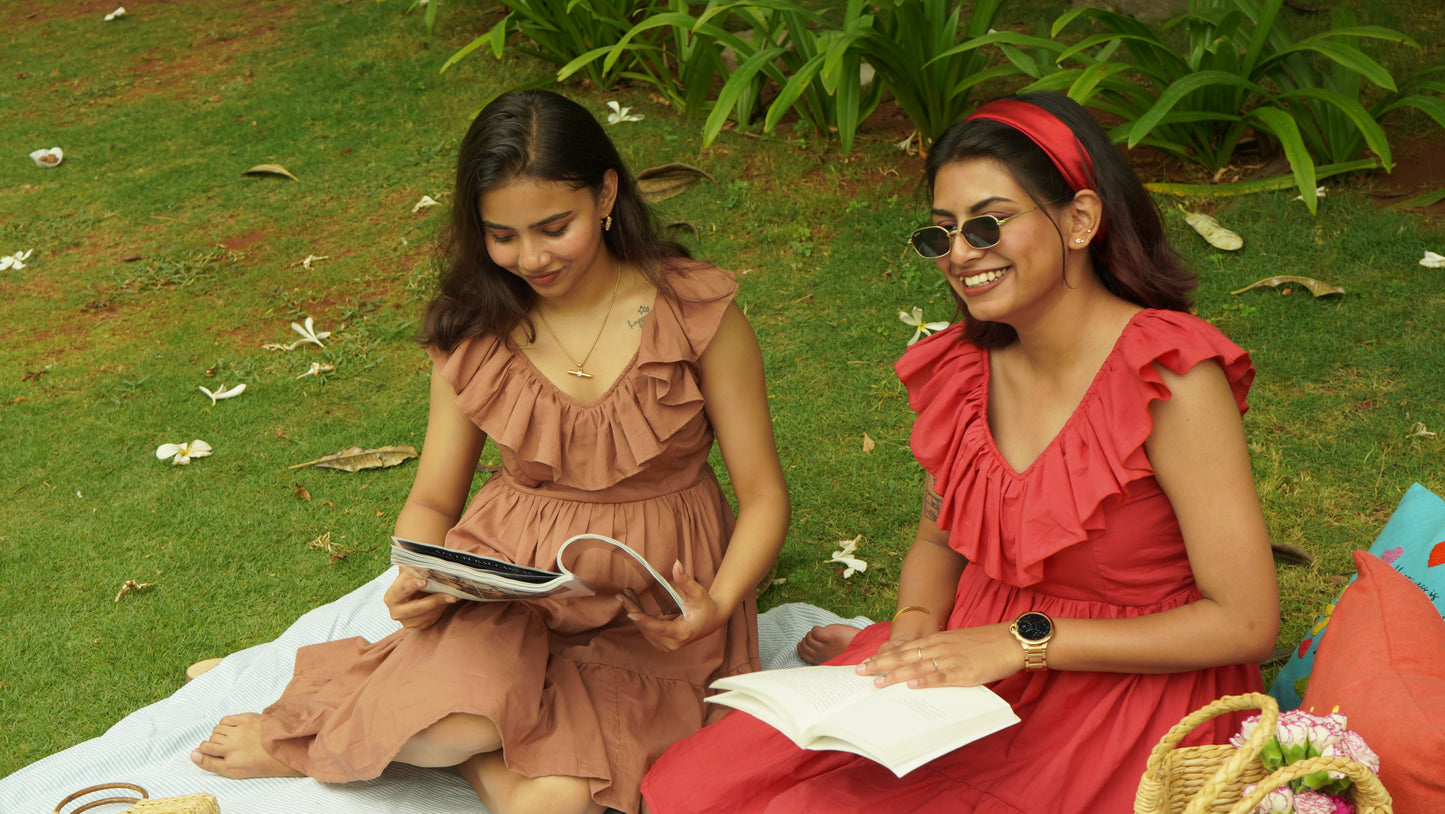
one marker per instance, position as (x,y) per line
(1034,626)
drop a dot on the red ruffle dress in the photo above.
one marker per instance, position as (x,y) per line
(571,684)
(1084,532)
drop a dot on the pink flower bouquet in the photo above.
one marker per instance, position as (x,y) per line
(1301,735)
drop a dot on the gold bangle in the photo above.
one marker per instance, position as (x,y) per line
(911,608)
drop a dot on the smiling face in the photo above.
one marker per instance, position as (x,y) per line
(545,232)
(1021,275)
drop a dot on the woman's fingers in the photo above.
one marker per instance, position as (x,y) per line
(408,605)
(928,662)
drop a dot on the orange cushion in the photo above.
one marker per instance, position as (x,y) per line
(1382,662)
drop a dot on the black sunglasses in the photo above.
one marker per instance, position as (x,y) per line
(982,232)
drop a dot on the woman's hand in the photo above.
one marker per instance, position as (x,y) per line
(701,614)
(409,606)
(960,658)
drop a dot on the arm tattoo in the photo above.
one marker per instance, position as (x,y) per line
(932,501)
(642,311)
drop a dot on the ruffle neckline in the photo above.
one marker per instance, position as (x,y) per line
(1058,500)
(595,445)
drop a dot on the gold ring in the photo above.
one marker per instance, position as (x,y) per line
(920,654)
(935,664)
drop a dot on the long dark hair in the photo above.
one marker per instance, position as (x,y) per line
(545,136)
(1132,257)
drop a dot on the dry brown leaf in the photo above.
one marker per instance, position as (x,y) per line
(662,182)
(352,459)
(301,492)
(332,550)
(868,444)
(132,585)
(1315,287)
(1291,553)
(271,169)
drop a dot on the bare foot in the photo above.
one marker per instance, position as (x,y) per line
(825,642)
(234,751)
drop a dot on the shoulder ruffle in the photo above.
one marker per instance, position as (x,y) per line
(1009,522)
(593,446)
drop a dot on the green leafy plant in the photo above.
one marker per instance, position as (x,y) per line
(1236,71)
(679,54)
(1330,95)
(806,59)
(811,60)
(912,44)
(560,31)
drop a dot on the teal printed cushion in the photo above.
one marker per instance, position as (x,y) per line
(1413,542)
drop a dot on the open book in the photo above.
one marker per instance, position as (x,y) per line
(832,707)
(487,579)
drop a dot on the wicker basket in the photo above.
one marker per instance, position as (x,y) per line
(1211,779)
(185,804)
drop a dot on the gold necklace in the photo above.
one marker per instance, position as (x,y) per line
(579,372)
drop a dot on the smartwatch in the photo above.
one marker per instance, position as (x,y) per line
(1034,630)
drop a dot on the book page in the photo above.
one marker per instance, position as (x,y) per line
(832,707)
(904,728)
(610,567)
(803,695)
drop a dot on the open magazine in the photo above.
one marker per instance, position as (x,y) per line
(488,579)
(832,707)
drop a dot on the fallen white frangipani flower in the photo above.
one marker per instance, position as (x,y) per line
(916,320)
(183,453)
(1209,229)
(621,114)
(309,334)
(1418,430)
(851,564)
(312,258)
(1432,260)
(317,369)
(426,200)
(120,12)
(1319,193)
(16,260)
(222,393)
(47,158)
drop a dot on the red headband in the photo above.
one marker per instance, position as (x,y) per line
(1053,137)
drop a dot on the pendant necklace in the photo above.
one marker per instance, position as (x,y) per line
(579,372)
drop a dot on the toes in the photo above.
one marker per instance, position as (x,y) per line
(211,763)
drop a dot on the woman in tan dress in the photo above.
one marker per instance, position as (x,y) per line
(602,362)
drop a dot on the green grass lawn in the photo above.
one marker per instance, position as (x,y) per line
(158,267)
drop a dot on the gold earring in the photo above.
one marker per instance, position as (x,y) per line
(607,224)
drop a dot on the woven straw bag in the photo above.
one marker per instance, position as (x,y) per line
(1211,779)
(185,804)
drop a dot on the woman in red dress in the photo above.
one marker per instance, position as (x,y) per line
(1091,545)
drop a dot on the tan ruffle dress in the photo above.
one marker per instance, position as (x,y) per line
(571,684)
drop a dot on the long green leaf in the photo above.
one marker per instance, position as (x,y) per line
(1346,55)
(796,85)
(1270,184)
(1282,126)
(1365,123)
(733,91)
(1182,88)
(497,38)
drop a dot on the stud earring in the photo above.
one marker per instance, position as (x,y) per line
(1078,240)
(607,224)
